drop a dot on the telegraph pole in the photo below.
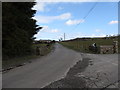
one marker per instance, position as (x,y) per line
(64,36)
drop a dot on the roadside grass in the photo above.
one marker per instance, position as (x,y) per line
(28,58)
(35,45)
(83,46)
(17,61)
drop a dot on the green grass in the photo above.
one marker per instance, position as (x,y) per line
(20,60)
(82,46)
(16,61)
(44,50)
(35,45)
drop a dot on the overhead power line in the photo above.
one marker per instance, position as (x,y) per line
(87,14)
(84,16)
(90,10)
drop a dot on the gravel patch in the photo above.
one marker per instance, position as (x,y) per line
(71,80)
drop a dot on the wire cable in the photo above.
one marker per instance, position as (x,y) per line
(87,14)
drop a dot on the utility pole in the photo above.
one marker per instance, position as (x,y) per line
(64,36)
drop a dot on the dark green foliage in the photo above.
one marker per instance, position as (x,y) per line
(18,28)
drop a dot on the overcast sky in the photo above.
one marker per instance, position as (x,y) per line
(58,18)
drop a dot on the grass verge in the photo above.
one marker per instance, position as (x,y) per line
(83,46)
(29,58)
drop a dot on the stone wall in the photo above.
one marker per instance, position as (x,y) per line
(106,49)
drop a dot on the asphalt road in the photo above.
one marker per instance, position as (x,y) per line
(102,71)
(96,70)
(43,71)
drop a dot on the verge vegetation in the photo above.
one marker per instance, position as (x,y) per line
(82,44)
(17,61)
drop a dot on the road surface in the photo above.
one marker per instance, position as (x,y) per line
(43,71)
(102,70)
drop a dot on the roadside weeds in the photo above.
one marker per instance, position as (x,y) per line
(8,65)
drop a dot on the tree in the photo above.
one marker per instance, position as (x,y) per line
(18,28)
